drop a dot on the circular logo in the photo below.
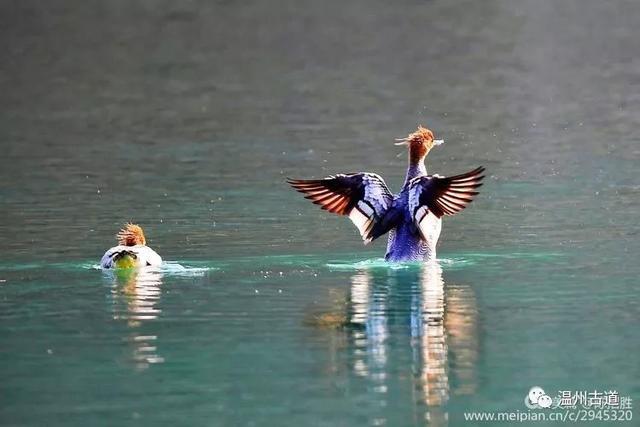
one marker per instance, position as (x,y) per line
(537,398)
(545,401)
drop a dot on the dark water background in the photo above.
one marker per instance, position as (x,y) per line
(186,116)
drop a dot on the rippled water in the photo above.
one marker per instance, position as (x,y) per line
(186,117)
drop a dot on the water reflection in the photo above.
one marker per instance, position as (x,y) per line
(412,339)
(136,293)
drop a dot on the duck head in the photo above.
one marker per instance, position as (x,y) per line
(419,144)
(131,235)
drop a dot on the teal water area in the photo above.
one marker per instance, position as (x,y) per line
(226,342)
(187,117)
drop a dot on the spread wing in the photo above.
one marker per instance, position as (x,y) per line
(441,196)
(364,197)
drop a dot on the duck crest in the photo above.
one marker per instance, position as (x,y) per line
(420,143)
(131,235)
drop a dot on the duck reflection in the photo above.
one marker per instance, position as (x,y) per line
(412,339)
(136,293)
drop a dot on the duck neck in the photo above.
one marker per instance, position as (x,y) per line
(416,168)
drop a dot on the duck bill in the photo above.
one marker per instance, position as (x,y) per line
(401,141)
(405,141)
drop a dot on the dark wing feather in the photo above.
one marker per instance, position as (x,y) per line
(363,196)
(441,196)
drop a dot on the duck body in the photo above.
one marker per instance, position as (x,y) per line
(131,252)
(405,242)
(130,257)
(413,217)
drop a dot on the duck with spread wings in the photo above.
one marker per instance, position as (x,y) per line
(413,217)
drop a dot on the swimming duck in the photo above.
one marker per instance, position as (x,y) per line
(413,217)
(131,250)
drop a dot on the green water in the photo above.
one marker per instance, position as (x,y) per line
(187,117)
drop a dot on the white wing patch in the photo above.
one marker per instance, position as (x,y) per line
(375,202)
(428,224)
(360,221)
(149,256)
(363,217)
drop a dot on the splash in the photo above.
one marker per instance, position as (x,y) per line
(189,268)
(302,262)
(374,263)
(451,262)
